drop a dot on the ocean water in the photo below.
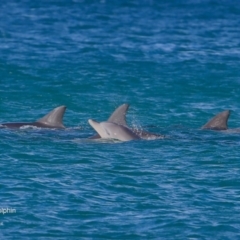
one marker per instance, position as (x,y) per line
(176,63)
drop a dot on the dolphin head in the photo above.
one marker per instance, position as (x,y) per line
(110,130)
(98,128)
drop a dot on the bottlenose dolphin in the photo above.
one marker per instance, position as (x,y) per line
(118,116)
(218,122)
(110,130)
(52,120)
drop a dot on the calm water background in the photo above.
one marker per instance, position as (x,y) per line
(176,63)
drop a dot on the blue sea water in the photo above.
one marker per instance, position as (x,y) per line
(176,63)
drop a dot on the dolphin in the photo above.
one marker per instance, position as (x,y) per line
(218,122)
(118,116)
(52,120)
(110,130)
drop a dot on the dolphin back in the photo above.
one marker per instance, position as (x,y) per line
(54,118)
(218,122)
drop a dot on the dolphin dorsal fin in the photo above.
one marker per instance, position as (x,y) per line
(119,115)
(54,118)
(219,122)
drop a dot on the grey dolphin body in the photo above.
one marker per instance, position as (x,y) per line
(119,117)
(110,130)
(218,122)
(52,120)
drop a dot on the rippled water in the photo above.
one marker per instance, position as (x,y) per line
(176,64)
